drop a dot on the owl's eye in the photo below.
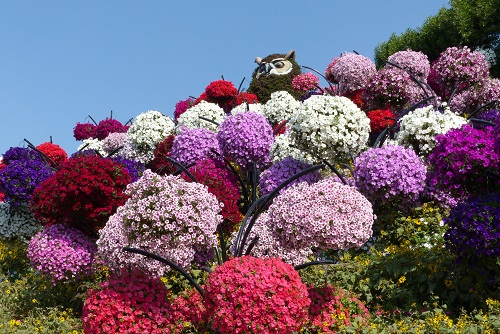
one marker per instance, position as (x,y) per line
(279,64)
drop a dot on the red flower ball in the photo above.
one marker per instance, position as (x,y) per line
(83,193)
(109,125)
(84,131)
(245,97)
(55,153)
(380,119)
(160,165)
(255,295)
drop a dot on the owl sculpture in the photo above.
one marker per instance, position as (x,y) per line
(274,73)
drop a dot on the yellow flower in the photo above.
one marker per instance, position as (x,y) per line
(448,283)
(402,279)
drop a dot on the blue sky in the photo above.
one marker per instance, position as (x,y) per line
(61,61)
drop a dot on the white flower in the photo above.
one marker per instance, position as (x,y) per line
(419,128)
(245,107)
(17,222)
(282,148)
(149,129)
(282,105)
(191,117)
(330,127)
(92,144)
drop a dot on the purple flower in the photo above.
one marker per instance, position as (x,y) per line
(246,138)
(194,144)
(20,153)
(282,170)
(134,168)
(415,62)
(352,71)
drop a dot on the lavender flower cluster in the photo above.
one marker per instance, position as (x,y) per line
(415,62)
(192,145)
(282,170)
(165,215)
(391,176)
(352,71)
(246,138)
(62,252)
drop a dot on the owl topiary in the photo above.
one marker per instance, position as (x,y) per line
(274,73)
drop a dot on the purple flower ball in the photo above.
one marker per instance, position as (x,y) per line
(246,138)
(192,145)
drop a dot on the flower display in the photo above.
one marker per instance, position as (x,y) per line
(324,215)
(466,101)
(92,144)
(329,71)
(352,71)
(61,252)
(272,177)
(20,153)
(329,127)
(129,303)
(459,163)
(246,138)
(245,97)
(188,308)
(221,92)
(391,176)
(415,62)
(380,119)
(160,164)
(419,128)
(224,185)
(20,178)
(391,87)
(134,168)
(246,107)
(191,117)
(474,228)
(54,152)
(458,68)
(191,145)
(82,194)
(492,115)
(147,130)
(252,295)
(333,309)
(109,125)
(17,222)
(305,82)
(182,106)
(84,131)
(165,215)
(282,105)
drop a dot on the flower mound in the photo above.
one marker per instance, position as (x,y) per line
(352,71)
(305,82)
(246,138)
(54,152)
(20,153)
(83,193)
(20,178)
(182,106)
(461,160)
(419,128)
(165,215)
(221,92)
(333,309)
(17,223)
(282,105)
(330,127)
(191,117)
(61,252)
(188,309)
(253,295)
(194,144)
(160,164)
(84,131)
(324,215)
(474,229)
(132,303)
(391,176)
(109,125)
(282,170)
(380,119)
(415,62)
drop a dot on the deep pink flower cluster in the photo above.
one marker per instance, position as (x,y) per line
(390,87)
(391,176)
(465,102)
(459,163)
(282,170)
(332,309)
(246,138)
(182,106)
(160,164)
(254,295)
(109,125)
(415,62)
(325,215)
(188,309)
(165,215)
(305,82)
(194,144)
(61,252)
(329,71)
(352,71)
(131,303)
(84,131)
(458,68)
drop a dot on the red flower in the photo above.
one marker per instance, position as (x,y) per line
(54,152)
(159,164)
(281,127)
(246,97)
(83,193)
(84,131)
(380,119)
(357,97)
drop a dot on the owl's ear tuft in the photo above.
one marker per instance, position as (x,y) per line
(290,55)
(258,60)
